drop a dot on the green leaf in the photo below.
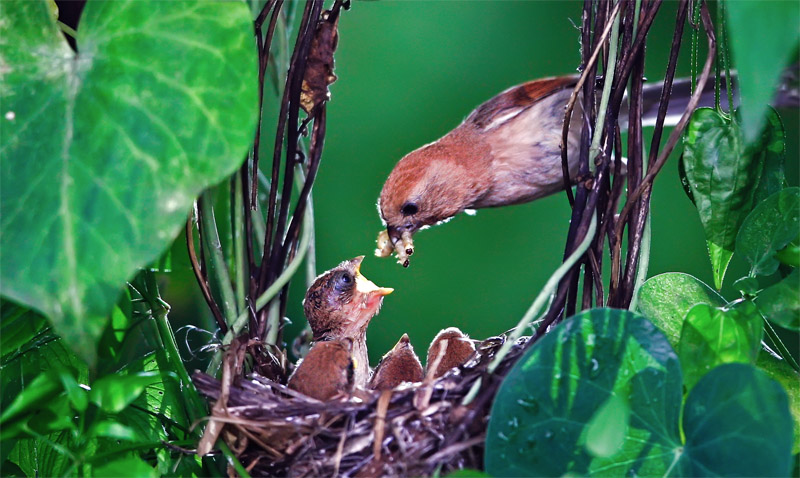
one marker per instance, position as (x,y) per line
(38,456)
(540,414)
(768,229)
(713,336)
(605,432)
(747,285)
(666,298)
(790,255)
(780,303)
(468,473)
(736,420)
(737,423)
(783,373)
(116,430)
(722,177)
(19,327)
(42,390)
(130,466)
(113,144)
(113,393)
(773,153)
(763,37)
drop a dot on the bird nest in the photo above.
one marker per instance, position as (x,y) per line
(417,429)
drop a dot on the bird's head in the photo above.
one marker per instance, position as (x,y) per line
(427,187)
(341,302)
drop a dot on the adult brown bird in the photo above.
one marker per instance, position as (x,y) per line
(399,365)
(327,371)
(339,305)
(507,151)
(450,348)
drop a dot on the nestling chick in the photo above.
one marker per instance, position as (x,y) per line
(326,371)
(455,349)
(398,365)
(506,152)
(339,305)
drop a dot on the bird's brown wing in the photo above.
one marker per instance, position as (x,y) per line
(514,100)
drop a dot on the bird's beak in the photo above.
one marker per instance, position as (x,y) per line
(366,286)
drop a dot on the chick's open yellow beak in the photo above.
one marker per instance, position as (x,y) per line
(366,286)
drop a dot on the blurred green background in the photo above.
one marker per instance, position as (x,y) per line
(408,73)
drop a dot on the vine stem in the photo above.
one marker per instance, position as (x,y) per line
(537,305)
(217,258)
(268,294)
(608,79)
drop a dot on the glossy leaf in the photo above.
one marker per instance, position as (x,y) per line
(723,177)
(772,152)
(605,432)
(113,393)
(112,144)
(130,466)
(790,255)
(737,423)
(769,228)
(666,298)
(539,418)
(760,57)
(712,336)
(540,414)
(780,303)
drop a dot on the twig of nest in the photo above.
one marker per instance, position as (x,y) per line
(414,430)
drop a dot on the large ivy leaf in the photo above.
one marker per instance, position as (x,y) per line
(737,423)
(723,178)
(771,226)
(104,151)
(603,361)
(539,418)
(780,303)
(666,298)
(759,58)
(715,335)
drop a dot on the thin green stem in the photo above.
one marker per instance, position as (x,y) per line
(268,294)
(778,343)
(240,267)
(235,463)
(217,258)
(695,42)
(608,79)
(160,311)
(644,261)
(726,63)
(544,296)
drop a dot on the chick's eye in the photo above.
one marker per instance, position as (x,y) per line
(409,209)
(346,279)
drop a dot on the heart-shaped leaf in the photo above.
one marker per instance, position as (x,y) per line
(780,303)
(760,58)
(545,410)
(712,336)
(103,151)
(771,226)
(540,417)
(666,298)
(737,423)
(722,176)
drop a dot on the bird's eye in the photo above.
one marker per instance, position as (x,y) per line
(346,278)
(409,209)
